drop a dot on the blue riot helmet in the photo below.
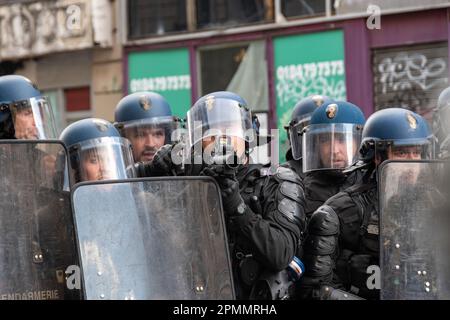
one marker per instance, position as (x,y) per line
(221,114)
(396,133)
(332,139)
(300,118)
(97,151)
(24,112)
(145,118)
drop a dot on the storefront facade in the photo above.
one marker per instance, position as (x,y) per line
(405,64)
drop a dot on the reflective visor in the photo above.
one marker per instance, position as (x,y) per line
(106,158)
(219,117)
(330,146)
(33,119)
(295,135)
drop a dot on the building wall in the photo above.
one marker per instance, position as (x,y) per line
(64,70)
(107,72)
(398,30)
(410,76)
(310,51)
(91,77)
(352,6)
(55,75)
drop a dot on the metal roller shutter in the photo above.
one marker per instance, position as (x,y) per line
(410,77)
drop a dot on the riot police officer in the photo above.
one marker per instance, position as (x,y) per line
(24,112)
(330,144)
(347,225)
(300,118)
(145,118)
(264,214)
(36,213)
(97,151)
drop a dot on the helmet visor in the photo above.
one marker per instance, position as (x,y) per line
(330,146)
(33,119)
(295,136)
(106,158)
(151,130)
(405,149)
(219,117)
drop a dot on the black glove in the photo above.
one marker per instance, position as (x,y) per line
(229,188)
(161,164)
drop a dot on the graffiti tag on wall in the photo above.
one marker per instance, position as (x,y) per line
(303,68)
(295,82)
(410,80)
(405,71)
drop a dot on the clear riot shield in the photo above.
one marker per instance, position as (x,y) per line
(37,242)
(414,230)
(153,238)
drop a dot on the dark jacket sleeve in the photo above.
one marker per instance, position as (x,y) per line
(276,234)
(321,248)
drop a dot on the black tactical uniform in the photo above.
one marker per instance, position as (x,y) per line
(266,236)
(264,213)
(343,242)
(321,185)
(343,234)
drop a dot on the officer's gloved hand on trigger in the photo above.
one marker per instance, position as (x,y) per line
(233,204)
(161,165)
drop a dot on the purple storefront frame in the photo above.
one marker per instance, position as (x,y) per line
(396,30)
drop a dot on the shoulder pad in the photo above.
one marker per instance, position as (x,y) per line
(324,221)
(320,245)
(346,205)
(293,211)
(287,174)
(290,209)
(293,191)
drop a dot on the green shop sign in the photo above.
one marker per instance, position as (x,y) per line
(305,65)
(165,72)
